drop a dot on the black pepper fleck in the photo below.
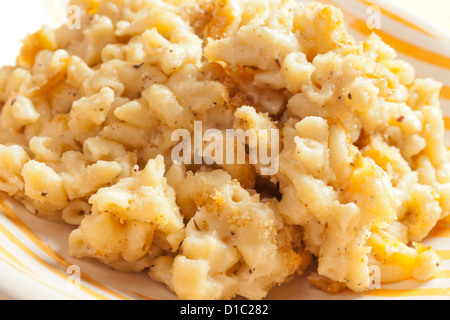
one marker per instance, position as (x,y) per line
(137,66)
(196,225)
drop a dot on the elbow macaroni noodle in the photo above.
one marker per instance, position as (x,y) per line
(354,176)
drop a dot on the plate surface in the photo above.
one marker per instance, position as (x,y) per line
(34,256)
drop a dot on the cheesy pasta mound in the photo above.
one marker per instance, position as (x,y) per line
(87,116)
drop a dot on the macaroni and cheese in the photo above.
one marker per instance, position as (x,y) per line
(86,124)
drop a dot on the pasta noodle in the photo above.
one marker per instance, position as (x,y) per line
(87,117)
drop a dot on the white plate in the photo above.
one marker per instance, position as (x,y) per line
(34,260)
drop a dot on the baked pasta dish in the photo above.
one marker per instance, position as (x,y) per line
(87,122)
